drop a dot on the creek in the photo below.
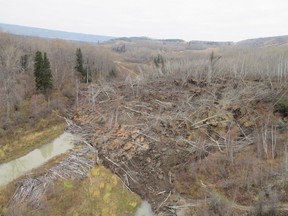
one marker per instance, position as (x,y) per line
(14,169)
(22,165)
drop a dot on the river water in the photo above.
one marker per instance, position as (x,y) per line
(144,209)
(20,166)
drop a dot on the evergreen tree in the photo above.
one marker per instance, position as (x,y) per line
(159,61)
(38,70)
(79,63)
(24,62)
(85,72)
(42,73)
(47,81)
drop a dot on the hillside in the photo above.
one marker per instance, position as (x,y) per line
(182,142)
(45,33)
(266,41)
(175,43)
(192,45)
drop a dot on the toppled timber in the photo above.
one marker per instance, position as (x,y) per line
(31,191)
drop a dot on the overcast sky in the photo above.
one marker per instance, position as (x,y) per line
(218,20)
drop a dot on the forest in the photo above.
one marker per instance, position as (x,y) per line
(26,103)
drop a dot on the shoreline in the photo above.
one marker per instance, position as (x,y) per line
(30,140)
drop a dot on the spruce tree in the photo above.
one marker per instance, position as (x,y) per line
(47,81)
(24,62)
(38,70)
(42,73)
(79,63)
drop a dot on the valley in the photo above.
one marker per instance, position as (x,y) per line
(193,128)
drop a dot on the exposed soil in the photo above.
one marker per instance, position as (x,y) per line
(187,143)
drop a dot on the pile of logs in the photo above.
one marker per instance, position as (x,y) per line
(31,191)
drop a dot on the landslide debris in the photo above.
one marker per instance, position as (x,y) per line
(182,144)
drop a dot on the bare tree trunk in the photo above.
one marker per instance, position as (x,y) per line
(77,93)
(7,100)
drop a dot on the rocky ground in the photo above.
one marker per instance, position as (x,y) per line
(190,147)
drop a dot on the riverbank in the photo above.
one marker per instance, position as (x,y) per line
(6,192)
(25,138)
(99,192)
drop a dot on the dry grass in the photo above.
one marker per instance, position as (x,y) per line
(101,193)
(21,141)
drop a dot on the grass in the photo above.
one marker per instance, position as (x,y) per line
(25,138)
(101,193)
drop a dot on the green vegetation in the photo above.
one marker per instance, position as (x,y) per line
(79,62)
(159,61)
(42,73)
(85,73)
(282,106)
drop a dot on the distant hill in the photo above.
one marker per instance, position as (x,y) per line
(45,33)
(266,41)
(201,45)
(191,45)
(146,39)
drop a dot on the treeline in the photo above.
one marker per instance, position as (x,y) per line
(38,76)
